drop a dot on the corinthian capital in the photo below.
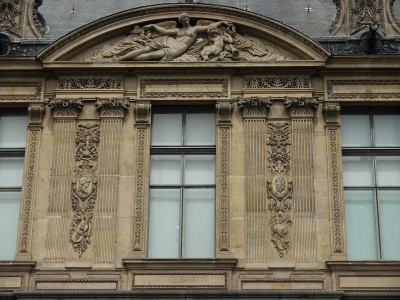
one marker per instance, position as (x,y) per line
(254,107)
(301,107)
(67,108)
(112,107)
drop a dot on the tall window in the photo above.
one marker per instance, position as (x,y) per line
(371,177)
(182,183)
(13,129)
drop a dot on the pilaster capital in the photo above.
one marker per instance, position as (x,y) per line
(66,108)
(332,113)
(112,107)
(143,112)
(224,112)
(254,107)
(301,107)
(36,113)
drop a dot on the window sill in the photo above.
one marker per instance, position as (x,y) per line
(16,265)
(364,265)
(180,264)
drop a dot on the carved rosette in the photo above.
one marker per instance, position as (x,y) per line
(280,186)
(331,111)
(254,107)
(112,107)
(301,107)
(66,108)
(84,186)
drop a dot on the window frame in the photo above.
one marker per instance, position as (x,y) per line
(373,152)
(182,151)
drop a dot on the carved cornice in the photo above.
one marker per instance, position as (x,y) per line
(278,82)
(331,111)
(84,186)
(224,110)
(90,83)
(301,107)
(112,107)
(36,113)
(254,107)
(143,112)
(69,108)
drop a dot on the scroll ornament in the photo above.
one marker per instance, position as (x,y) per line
(280,188)
(84,186)
(206,41)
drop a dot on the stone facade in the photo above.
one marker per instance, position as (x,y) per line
(280,221)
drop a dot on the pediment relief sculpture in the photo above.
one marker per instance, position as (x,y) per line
(168,41)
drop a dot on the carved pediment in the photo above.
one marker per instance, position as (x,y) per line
(184,33)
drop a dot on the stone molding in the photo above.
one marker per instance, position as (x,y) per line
(358,288)
(224,113)
(90,83)
(181,286)
(8,287)
(365,95)
(277,82)
(66,108)
(69,284)
(180,264)
(142,127)
(112,107)
(222,82)
(37,96)
(301,107)
(283,280)
(254,107)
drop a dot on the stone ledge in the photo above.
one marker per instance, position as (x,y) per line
(364,265)
(16,265)
(180,264)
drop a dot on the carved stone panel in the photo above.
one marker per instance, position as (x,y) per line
(90,83)
(11,16)
(21,91)
(84,186)
(278,82)
(280,187)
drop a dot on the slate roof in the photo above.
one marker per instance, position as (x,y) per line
(61,21)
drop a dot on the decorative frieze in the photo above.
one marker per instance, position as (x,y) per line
(278,82)
(90,83)
(66,108)
(301,107)
(112,107)
(254,107)
(280,187)
(84,186)
(224,113)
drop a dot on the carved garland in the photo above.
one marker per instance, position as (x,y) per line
(280,187)
(278,82)
(332,95)
(84,186)
(90,83)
